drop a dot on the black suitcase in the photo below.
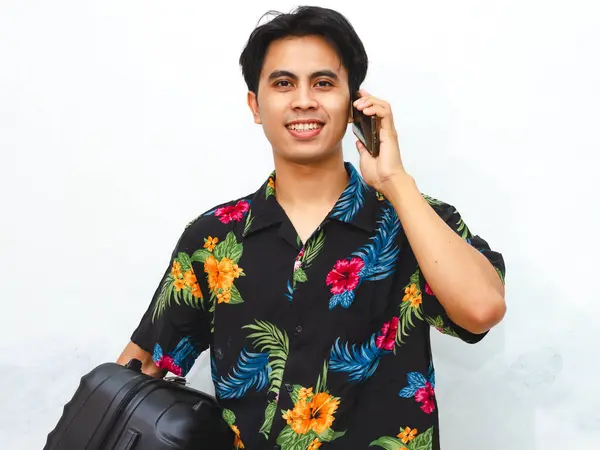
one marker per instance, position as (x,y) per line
(120,408)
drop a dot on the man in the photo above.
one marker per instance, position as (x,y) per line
(317,292)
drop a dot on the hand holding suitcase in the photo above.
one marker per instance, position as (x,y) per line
(119,408)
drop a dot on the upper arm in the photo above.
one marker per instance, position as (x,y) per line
(176,327)
(434,311)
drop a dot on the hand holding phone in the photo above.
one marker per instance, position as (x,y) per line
(366,129)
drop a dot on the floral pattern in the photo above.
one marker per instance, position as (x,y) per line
(309,423)
(349,308)
(177,361)
(421,388)
(372,262)
(407,439)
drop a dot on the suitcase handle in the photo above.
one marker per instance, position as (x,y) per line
(128,441)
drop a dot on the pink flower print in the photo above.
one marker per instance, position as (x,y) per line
(345,275)
(426,396)
(387,337)
(428,289)
(231,213)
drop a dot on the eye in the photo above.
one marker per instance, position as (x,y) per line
(283,83)
(324,83)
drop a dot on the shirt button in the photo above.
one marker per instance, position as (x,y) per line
(289,387)
(218,353)
(276,447)
(299,329)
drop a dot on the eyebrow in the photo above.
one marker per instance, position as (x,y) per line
(293,76)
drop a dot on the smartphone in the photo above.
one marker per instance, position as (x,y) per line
(366,129)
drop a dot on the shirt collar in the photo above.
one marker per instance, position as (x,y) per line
(358,205)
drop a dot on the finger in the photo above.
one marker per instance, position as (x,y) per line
(361,148)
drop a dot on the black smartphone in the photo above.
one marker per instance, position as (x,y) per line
(366,129)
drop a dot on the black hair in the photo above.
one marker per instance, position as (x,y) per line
(306,21)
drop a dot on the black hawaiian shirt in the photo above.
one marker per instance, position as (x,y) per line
(321,345)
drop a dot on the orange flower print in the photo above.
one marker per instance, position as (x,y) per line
(190,278)
(237,443)
(407,435)
(316,415)
(224,297)
(196,292)
(221,273)
(304,393)
(271,183)
(210,243)
(314,445)
(176,270)
(179,284)
(412,294)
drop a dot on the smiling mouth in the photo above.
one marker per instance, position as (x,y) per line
(305,130)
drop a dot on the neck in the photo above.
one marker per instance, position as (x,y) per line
(307,186)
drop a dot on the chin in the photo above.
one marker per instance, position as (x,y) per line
(304,155)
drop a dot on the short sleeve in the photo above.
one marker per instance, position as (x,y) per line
(435,314)
(176,328)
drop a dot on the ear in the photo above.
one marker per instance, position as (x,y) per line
(350,114)
(253,105)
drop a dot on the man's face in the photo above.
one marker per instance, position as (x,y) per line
(303,99)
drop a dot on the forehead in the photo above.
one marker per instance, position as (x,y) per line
(302,56)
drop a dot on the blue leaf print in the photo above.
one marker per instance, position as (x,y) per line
(214,371)
(417,381)
(431,374)
(359,362)
(345,299)
(352,199)
(184,355)
(290,291)
(252,370)
(381,254)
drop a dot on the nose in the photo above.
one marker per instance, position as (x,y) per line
(304,99)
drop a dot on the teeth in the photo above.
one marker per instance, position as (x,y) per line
(304,126)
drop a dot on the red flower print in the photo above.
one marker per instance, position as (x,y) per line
(167,362)
(345,275)
(235,212)
(425,396)
(428,289)
(387,337)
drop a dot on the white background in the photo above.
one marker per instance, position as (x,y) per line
(120,121)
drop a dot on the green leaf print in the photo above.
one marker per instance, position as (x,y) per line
(313,248)
(438,323)
(432,201)
(330,435)
(249,220)
(229,248)
(269,339)
(265,429)
(180,284)
(423,441)
(200,255)
(300,276)
(500,274)
(462,229)
(228,416)
(236,297)
(410,308)
(321,385)
(388,443)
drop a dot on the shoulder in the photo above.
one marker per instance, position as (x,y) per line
(216,222)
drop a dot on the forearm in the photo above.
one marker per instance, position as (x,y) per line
(133,351)
(463,280)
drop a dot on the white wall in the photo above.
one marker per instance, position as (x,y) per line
(122,120)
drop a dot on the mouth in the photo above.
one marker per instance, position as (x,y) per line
(305,129)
